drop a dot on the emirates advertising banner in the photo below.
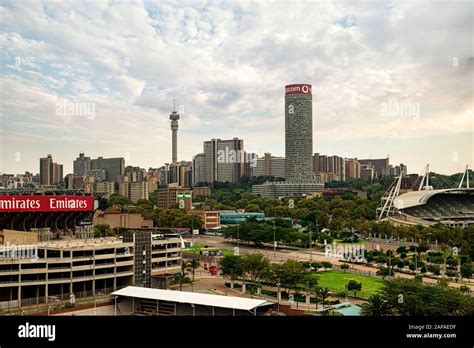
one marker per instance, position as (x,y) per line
(39,203)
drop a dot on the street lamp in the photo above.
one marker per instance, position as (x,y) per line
(274,241)
(238,237)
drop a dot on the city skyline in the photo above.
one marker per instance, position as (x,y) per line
(375,91)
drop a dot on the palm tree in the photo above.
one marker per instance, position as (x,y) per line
(375,306)
(192,265)
(182,277)
(323,294)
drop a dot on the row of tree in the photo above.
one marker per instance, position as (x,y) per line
(414,298)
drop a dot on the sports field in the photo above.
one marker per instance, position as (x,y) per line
(336,281)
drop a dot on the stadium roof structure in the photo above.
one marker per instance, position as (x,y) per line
(238,303)
(416,198)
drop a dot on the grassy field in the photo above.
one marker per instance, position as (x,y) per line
(337,280)
(198,247)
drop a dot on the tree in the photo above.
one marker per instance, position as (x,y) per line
(323,294)
(375,306)
(182,277)
(466,270)
(255,266)
(291,274)
(232,267)
(326,264)
(420,299)
(344,267)
(384,272)
(120,201)
(102,230)
(192,265)
(354,286)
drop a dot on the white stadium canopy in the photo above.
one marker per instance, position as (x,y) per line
(415,198)
(220,301)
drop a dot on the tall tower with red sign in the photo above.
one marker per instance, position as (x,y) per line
(298,133)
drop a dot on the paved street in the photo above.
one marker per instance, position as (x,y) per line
(304,255)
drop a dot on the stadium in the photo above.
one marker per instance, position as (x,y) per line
(427,206)
(50,213)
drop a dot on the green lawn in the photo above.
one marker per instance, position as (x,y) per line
(197,247)
(337,280)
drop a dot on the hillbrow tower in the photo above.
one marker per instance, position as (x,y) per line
(174,117)
(298,133)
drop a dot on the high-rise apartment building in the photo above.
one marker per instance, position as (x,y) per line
(199,168)
(221,160)
(328,168)
(46,166)
(81,165)
(352,168)
(298,133)
(134,184)
(50,173)
(174,195)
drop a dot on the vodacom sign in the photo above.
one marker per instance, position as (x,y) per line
(298,89)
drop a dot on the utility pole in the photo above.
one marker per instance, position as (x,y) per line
(310,245)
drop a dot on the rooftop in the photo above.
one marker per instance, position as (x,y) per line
(239,303)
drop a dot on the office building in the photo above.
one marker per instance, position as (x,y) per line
(280,189)
(85,268)
(298,133)
(380,165)
(269,165)
(174,196)
(114,167)
(98,174)
(367,172)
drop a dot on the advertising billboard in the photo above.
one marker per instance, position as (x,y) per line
(41,203)
(298,89)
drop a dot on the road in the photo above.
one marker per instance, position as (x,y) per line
(304,255)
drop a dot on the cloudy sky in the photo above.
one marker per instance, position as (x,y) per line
(389,78)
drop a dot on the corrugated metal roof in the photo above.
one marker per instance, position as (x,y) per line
(239,303)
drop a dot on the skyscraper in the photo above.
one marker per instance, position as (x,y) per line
(299,133)
(174,117)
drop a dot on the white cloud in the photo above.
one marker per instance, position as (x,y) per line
(227,64)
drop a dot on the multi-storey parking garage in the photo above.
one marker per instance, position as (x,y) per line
(58,270)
